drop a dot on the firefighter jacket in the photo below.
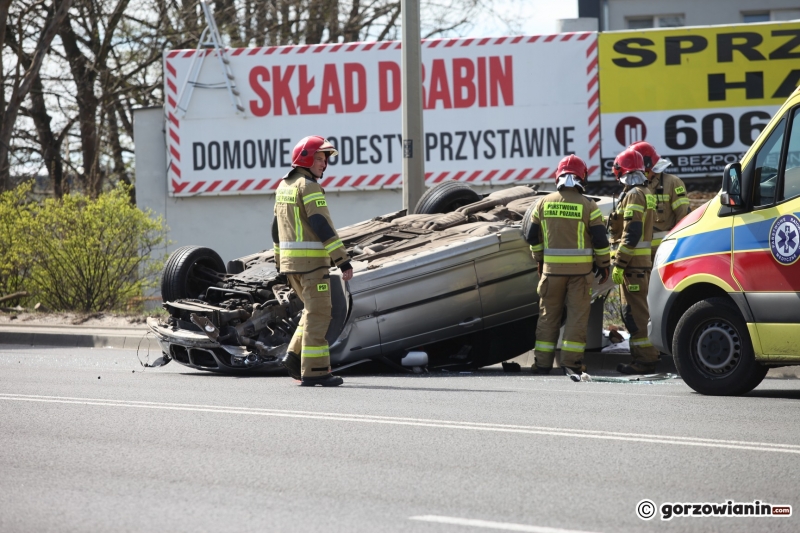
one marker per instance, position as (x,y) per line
(302,230)
(567,233)
(636,208)
(671,203)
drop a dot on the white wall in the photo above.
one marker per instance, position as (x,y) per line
(232,225)
(697,12)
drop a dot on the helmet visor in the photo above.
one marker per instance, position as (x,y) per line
(661,165)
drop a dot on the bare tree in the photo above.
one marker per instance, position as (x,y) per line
(23,82)
(76,111)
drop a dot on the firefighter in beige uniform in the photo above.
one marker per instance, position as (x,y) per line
(669,191)
(306,245)
(632,229)
(567,237)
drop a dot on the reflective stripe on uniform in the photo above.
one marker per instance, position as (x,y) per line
(663,197)
(679,202)
(602,251)
(537,248)
(643,248)
(313,196)
(644,343)
(544,232)
(568,251)
(304,245)
(298,225)
(545,346)
(635,207)
(304,253)
(567,255)
(334,245)
(595,214)
(567,259)
(580,234)
(655,243)
(570,346)
(316,351)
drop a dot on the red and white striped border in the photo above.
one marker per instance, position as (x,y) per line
(593,91)
(173,129)
(391,45)
(365,182)
(377,181)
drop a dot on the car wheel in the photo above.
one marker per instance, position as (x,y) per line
(445,198)
(528,217)
(189,272)
(713,351)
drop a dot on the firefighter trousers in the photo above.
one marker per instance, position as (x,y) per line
(314,290)
(558,294)
(636,314)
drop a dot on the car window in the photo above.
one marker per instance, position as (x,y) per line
(791,176)
(767,163)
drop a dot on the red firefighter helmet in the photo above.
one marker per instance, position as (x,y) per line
(572,164)
(629,160)
(303,153)
(648,152)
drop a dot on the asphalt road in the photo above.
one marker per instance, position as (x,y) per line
(89,441)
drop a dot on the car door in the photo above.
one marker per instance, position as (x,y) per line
(428,307)
(766,240)
(507,281)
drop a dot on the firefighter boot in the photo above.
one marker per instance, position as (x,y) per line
(637,367)
(291,362)
(540,370)
(328,380)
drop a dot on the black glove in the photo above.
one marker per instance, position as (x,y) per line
(602,273)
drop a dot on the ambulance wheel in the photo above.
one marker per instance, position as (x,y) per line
(189,272)
(713,351)
(445,198)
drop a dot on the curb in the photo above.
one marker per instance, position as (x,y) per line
(78,337)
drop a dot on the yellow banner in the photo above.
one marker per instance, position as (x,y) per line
(740,65)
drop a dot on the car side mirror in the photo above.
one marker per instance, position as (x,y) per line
(732,186)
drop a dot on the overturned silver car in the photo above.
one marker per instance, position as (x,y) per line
(453,285)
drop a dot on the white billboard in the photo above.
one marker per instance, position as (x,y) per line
(497,111)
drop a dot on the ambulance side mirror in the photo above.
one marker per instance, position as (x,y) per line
(732,186)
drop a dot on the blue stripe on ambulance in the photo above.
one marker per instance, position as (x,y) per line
(712,242)
(753,236)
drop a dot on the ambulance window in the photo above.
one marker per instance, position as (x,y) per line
(791,177)
(767,162)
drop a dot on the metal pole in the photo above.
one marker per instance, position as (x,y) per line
(413,140)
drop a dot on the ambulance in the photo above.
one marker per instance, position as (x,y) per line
(725,291)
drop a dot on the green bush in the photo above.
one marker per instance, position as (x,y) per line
(16,259)
(80,254)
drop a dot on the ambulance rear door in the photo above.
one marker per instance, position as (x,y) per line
(766,240)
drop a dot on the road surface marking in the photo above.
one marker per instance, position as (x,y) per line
(418,422)
(487,524)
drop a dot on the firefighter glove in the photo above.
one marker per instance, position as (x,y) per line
(618,275)
(602,273)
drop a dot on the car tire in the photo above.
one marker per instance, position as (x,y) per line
(445,198)
(182,278)
(527,218)
(713,351)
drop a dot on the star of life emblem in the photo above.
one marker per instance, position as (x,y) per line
(784,239)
